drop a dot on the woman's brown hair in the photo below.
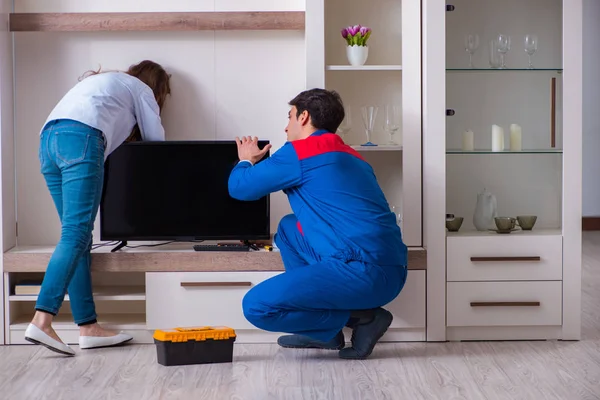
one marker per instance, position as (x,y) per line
(153,75)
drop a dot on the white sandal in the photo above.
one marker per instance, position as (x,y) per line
(94,342)
(35,335)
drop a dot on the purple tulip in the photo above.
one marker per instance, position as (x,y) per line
(356,35)
(353,30)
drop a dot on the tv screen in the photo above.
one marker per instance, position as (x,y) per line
(177,190)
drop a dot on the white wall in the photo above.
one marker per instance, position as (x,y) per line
(591,108)
(224,84)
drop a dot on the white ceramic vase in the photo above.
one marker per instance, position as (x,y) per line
(485,211)
(357,55)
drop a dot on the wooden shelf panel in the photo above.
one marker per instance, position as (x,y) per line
(156,21)
(35,259)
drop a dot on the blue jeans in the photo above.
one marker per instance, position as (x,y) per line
(314,297)
(72,162)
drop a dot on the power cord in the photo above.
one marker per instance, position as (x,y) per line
(161,244)
(98,245)
(149,245)
(114,243)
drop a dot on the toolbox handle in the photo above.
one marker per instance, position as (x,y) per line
(214,284)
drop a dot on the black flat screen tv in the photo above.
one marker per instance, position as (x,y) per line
(177,190)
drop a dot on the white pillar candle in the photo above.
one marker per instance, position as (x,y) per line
(515,138)
(497,138)
(467,141)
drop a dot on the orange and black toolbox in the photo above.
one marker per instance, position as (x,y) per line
(186,346)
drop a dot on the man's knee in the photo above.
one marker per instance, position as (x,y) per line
(288,223)
(288,226)
(258,311)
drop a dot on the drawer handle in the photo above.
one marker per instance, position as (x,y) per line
(214,284)
(505,304)
(532,258)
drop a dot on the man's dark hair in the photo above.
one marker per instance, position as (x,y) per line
(325,108)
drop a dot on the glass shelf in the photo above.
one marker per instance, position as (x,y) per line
(558,70)
(364,68)
(380,147)
(488,151)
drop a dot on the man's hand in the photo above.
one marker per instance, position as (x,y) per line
(248,149)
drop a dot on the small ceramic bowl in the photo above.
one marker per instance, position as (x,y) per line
(453,225)
(526,222)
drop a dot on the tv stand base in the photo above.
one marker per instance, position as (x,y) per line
(119,246)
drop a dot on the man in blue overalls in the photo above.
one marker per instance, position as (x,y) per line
(342,250)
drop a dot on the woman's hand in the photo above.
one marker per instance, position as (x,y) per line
(248,149)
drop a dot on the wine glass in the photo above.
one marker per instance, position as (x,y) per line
(391,123)
(471,45)
(369,114)
(531,45)
(346,125)
(503,42)
(495,61)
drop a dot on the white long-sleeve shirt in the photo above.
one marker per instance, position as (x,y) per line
(112,102)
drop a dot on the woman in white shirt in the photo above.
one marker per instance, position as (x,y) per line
(94,118)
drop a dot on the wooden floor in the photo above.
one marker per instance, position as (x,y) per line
(483,370)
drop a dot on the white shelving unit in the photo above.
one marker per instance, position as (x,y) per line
(390,76)
(485,285)
(7,185)
(416,61)
(120,299)
(130,288)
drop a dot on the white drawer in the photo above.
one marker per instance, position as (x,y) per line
(504,303)
(514,257)
(409,308)
(175,299)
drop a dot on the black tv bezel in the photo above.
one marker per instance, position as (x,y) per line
(104,237)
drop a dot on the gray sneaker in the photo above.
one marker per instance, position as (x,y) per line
(305,342)
(365,336)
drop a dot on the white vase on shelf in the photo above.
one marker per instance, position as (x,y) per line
(357,55)
(485,211)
